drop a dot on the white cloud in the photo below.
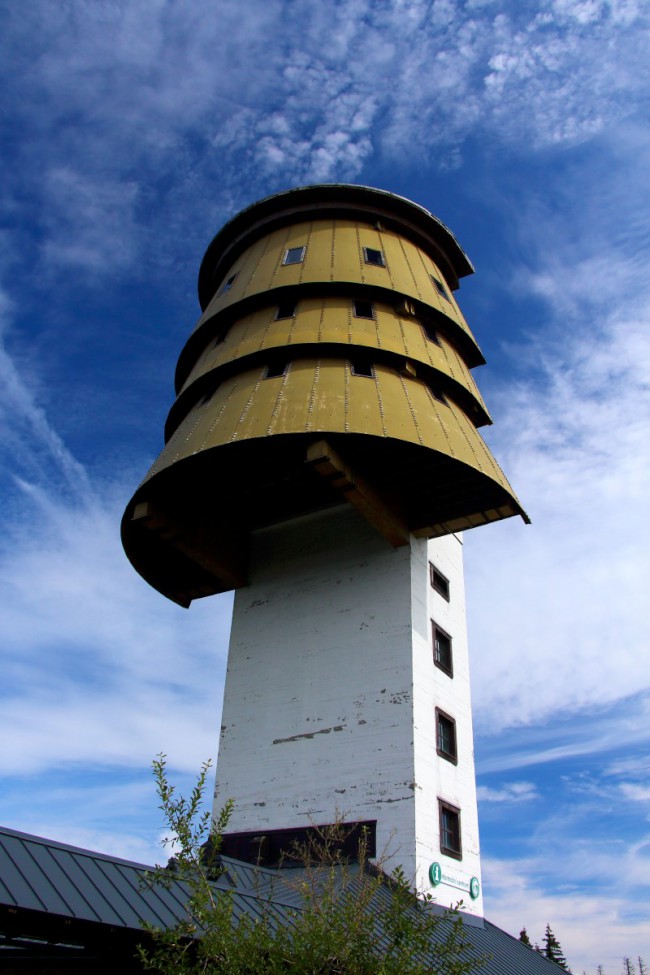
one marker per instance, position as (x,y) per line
(28,439)
(92,657)
(98,668)
(148,87)
(90,220)
(570,626)
(592,930)
(635,792)
(511,792)
(558,609)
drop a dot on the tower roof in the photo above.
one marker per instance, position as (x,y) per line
(322,199)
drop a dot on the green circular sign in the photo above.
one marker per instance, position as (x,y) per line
(435,874)
(474,888)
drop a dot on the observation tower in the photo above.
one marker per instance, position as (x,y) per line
(322,458)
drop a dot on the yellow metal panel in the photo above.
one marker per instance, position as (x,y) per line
(334,251)
(348,254)
(365,409)
(277,333)
(345,252)
(400,268)
(430,293)
(306,324)
(270,273)
(483,459)
(255,418)
(230,405)
(332,320)
(326,409)
(318,259)
(325,396)
(398,419)
(290,411)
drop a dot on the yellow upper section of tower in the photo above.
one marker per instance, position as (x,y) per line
(331,365)
(335,251)
(329,321)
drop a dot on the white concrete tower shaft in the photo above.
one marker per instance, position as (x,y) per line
(347,696)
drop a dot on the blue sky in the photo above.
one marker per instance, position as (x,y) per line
(130,132)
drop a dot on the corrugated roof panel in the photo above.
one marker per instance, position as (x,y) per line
(40,876)
(84,873)
(18,890)
(65,890)
(154,904)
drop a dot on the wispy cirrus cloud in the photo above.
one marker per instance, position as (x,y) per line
(510,792)
(108,91)
(91,656)
(571,589)
(592,929)
(562,611)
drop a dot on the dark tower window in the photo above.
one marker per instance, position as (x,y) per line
(276,369)
(435,392)
(440,288)
(439,582)
(450,830)
(430,332)
(446,736)
(286,309)
(372,256)
(442,655)
(227,285)
(362,368)
(363,309)
(294,255)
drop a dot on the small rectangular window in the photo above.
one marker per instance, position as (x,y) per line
(430,332)
(442,655)
(449,817)
(435,392)
(373,256)
(446,737)
(363,309)
(440,288)
(227,285)
(361,368)
(276,369)
(439,582)
(294,255)
(286,309)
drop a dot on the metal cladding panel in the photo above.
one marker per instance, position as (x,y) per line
(100,897)
(331,322)
(72,893)
(343,201)
(364,403)
(324,396)
(335,253)
(295,409)
(257,892)
(66,882)
(20,883)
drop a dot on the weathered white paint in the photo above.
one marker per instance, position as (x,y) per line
(331,690)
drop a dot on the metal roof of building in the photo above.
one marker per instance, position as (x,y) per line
(52,893)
